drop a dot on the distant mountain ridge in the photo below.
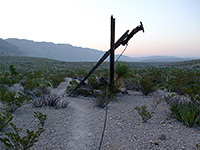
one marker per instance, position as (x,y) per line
(64,52)
(67,52)
(160,59)
(7,49)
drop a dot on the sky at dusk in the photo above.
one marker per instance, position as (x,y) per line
(172,27)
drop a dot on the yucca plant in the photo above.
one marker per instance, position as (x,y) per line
(188,113)
(51,100)
(175,111)
(122,71)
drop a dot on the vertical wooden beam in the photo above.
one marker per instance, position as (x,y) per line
(112,50)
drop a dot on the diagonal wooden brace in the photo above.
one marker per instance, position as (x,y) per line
(122,40)
(117,44)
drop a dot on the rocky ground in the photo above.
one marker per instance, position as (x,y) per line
(79,126)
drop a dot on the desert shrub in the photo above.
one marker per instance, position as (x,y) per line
(29,84)
(83,90)
(13,100)
(9,80)
(112,91)
(132,84)
(14,141)
(35,84)
(50,100)
(195,98)
(71,74)
(57,77)
(41,117)
(5,119)
(93,82)
(188,113)
(81,73)
(179,79)
(11,77)
(144,113)
(72,85)
(197,147)
(147,86)
(12,70)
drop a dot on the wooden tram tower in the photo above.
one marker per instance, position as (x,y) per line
(123,40)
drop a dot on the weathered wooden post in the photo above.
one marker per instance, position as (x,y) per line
(123,40)
(112,50)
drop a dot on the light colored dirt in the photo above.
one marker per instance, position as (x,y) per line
(79,126)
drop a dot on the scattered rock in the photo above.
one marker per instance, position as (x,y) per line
(16,88)
(97,92)
(162,137)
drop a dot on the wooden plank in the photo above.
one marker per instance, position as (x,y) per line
(112,52)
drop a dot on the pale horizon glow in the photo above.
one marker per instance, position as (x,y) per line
(171,27)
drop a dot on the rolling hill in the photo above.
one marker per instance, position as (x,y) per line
(67,52)
(7,49)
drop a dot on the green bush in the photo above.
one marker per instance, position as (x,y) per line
(144,113)
(13,70)
(9,80)
(112,91)
(30,84)
(12,100)
(72,85)
(147,86)
(57,78)
(5,119)
(41,117)
(83,90)
(14,141)
(93,83)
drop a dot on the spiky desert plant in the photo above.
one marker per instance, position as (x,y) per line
(188,113)
(51,100)
(122,71)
